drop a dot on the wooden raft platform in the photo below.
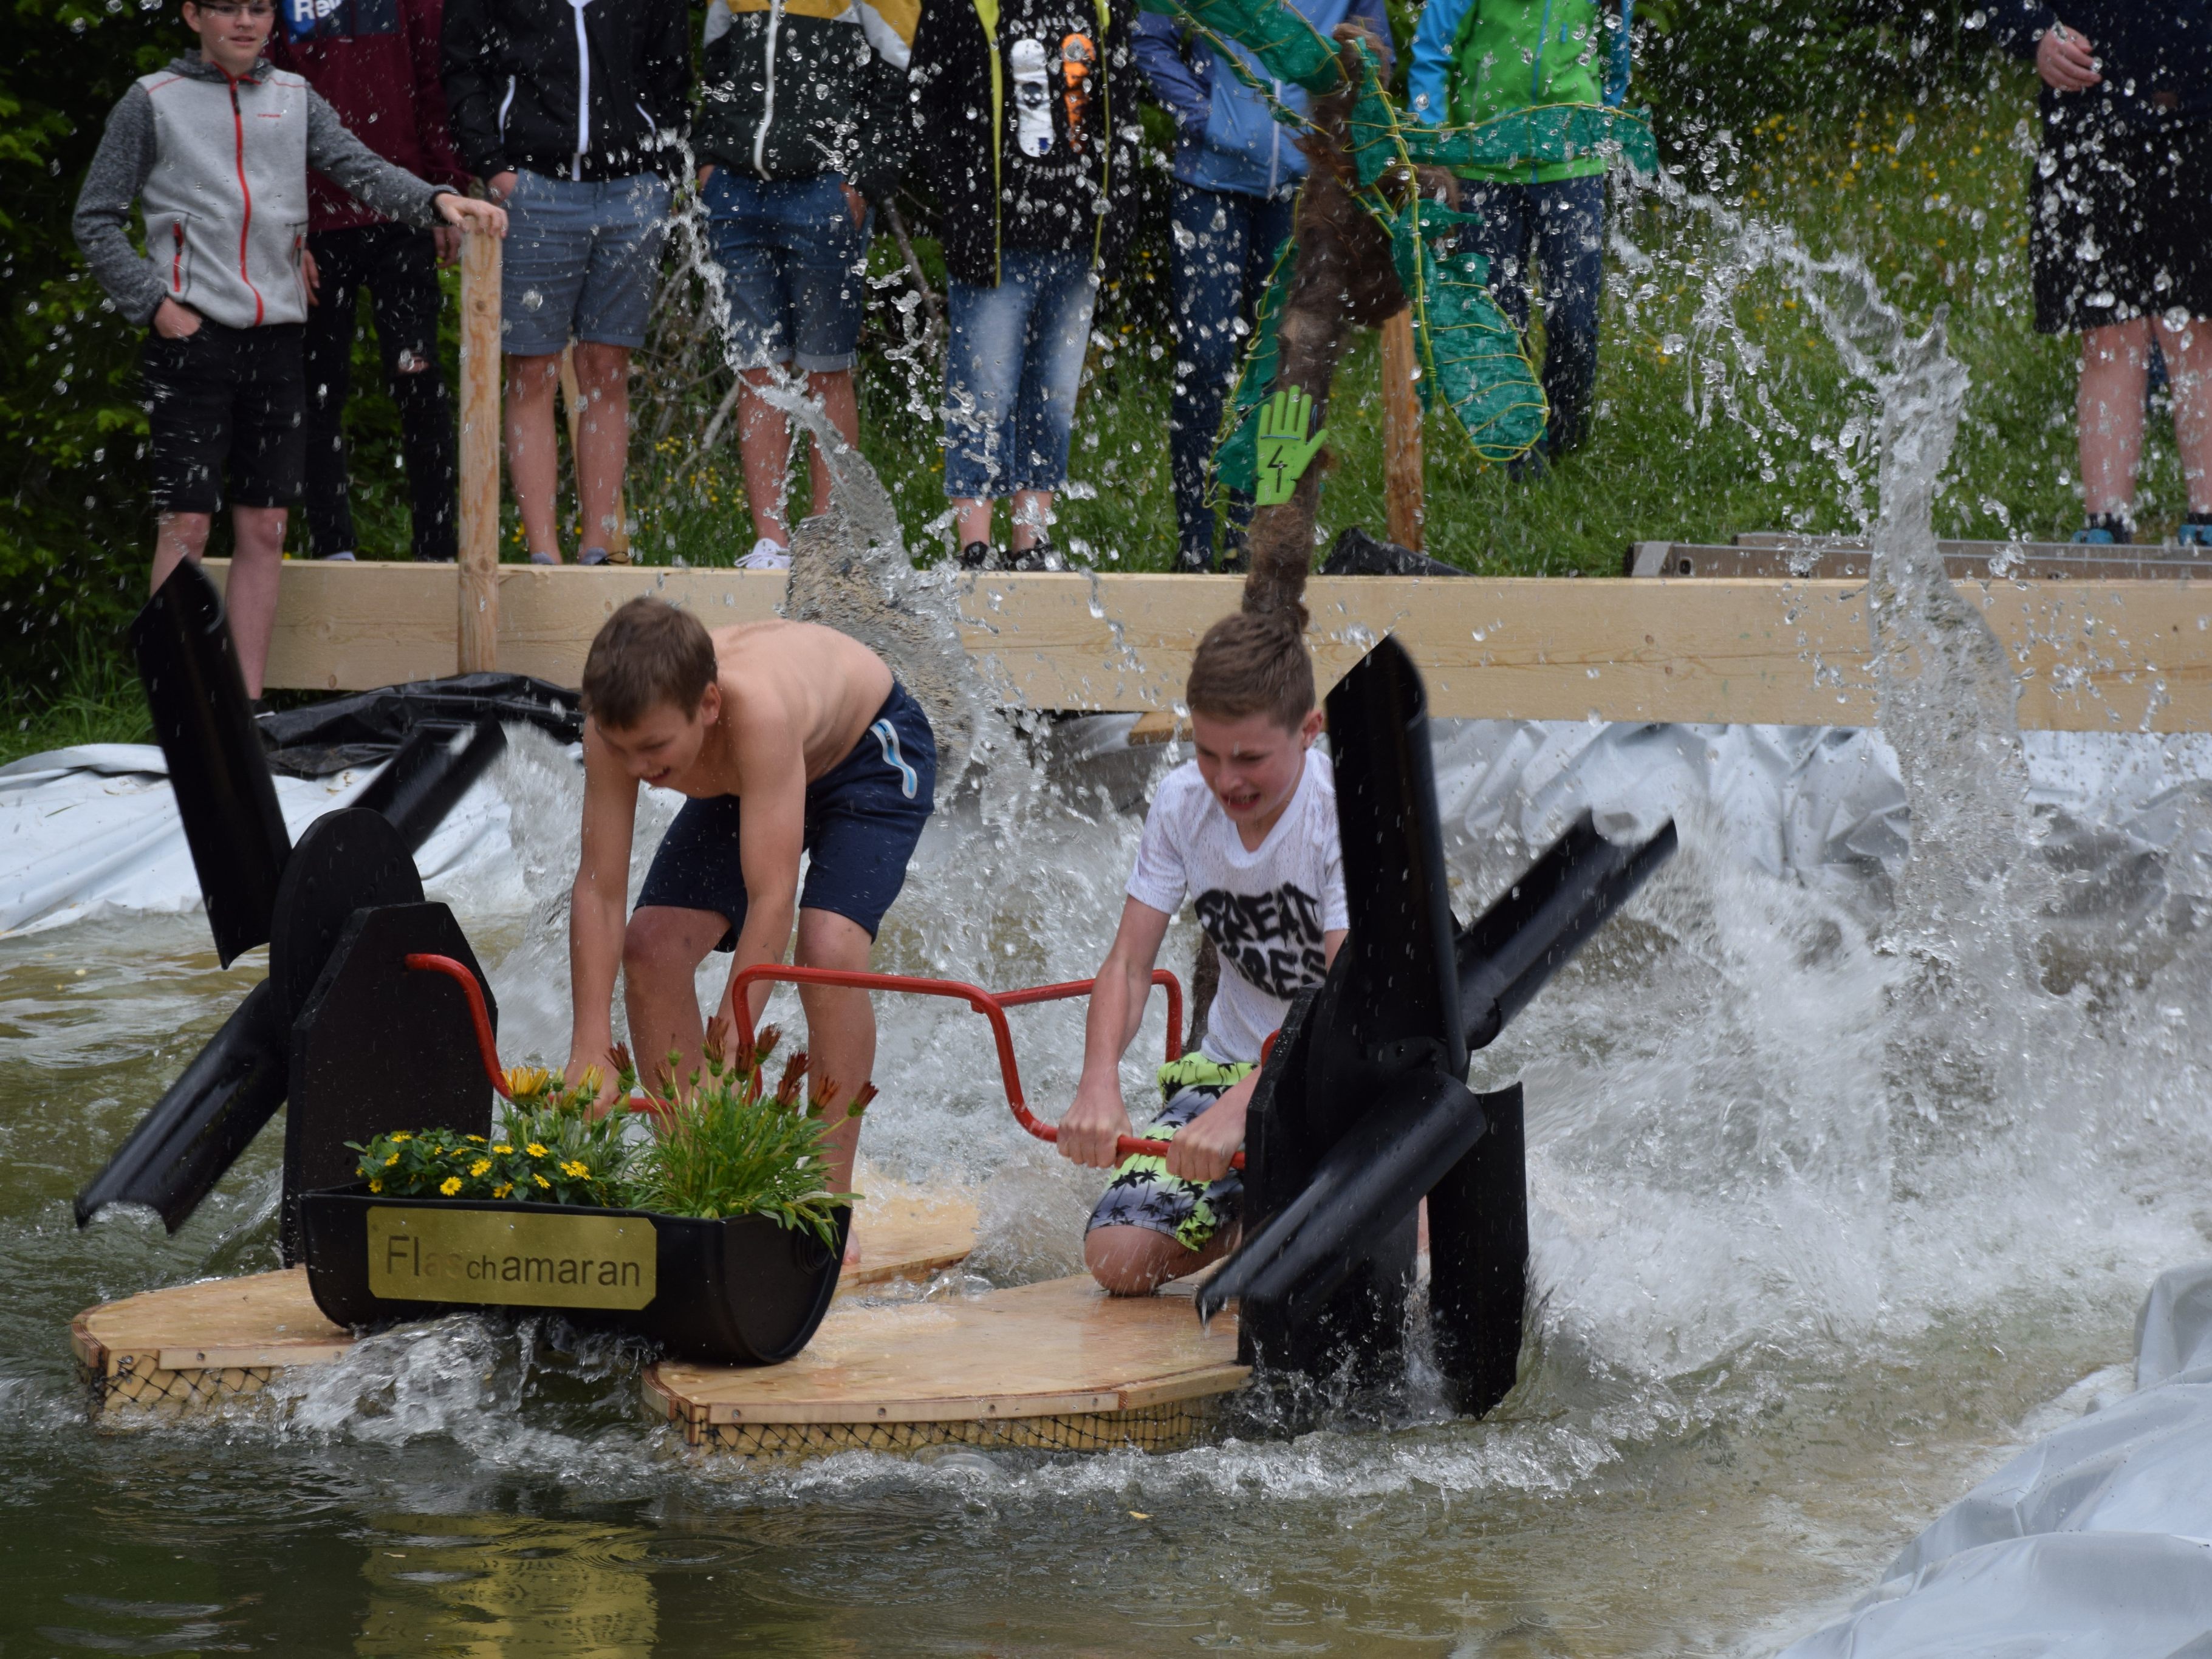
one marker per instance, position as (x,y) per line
(1059,1366)
(173,1350)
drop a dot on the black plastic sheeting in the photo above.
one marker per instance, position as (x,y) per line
(369,726)
(1358,554)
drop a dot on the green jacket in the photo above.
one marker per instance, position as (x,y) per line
(1475,60)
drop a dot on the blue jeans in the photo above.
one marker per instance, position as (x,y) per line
(1559,230)
(794,269)
(1224,249)
(580,260)
(1011,370)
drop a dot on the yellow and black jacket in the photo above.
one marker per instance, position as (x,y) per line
(1025,125)
(796,89)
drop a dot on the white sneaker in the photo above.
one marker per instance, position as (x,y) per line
(766,555)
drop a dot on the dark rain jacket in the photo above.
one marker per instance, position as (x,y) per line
(796,89)
(589,92)
(377,63)
(2155,55)
(1025,146)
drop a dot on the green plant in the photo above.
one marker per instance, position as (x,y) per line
(723,1145)
(551,1150)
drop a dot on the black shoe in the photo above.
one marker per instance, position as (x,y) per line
(979,555)
(1037,556)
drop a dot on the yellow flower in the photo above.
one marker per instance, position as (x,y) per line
(524,1082)
(590,1083)
(450,1185)
(576,1167)
(535,1150)
(403,1135)
(502,1148)
(376,1186)
(482,1166)
(478,1138)
(393,1159)
(541,1181)
(502,1189)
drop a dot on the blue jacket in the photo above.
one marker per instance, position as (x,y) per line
(1228,139)
(2155,55)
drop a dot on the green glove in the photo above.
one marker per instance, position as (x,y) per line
(1284,450)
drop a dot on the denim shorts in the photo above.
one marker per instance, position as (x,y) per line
(864,817)
(794,269)
(1011,370)
(580,262)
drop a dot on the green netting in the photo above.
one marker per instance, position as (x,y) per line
(1547,132)
(1236,460)
(1471,357)
(1291,47)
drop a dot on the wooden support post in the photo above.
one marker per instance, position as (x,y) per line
(572,398)
(1402,482)
(476,631)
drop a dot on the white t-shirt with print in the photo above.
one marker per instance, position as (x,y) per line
(1266,910)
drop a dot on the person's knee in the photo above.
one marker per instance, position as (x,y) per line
(1129,1260)
(827,939)
(656,945)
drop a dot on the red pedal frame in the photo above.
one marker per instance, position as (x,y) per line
(992,1004)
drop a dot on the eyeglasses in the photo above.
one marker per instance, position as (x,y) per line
(227,12)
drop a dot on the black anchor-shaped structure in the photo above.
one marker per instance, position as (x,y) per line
(1363,1109)
(339,1028)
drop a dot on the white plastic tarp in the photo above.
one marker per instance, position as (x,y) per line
(2091,1542)
(91,831)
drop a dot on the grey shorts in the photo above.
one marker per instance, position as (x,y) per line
(1143,1195)
(580,262)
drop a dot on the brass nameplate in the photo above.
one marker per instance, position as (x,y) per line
(511,1258)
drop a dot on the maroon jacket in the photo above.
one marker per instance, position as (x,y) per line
(377,63)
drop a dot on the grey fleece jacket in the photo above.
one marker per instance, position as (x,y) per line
(220,168)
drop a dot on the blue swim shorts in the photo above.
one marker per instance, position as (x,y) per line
(864,816)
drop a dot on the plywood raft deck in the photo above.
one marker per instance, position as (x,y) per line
(169,1351)
(1058,1366)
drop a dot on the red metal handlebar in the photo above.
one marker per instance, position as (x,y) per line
(424,962)
(992,1005)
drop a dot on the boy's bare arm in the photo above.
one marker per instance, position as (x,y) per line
(771,831)
(1098,1117)
(596,903)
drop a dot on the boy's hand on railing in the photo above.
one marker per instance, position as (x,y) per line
(1202,1147)
(1094,1123)
(469,213)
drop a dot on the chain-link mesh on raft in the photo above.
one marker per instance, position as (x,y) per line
(1171,1425)
(137,1386)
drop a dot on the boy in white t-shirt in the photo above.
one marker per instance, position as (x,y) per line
(1247,831)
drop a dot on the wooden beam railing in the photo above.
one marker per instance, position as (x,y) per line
(475,638)
(2093,655)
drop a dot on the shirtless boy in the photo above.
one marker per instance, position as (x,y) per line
(1247,830)
(785,737)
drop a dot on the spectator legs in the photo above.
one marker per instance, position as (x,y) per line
(256,562)
(1558,229)
(764,443)
(326,354)
(532,460)
(1223,251)
(2109,408)
(602,438)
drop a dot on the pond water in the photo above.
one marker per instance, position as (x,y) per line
(1825,1219)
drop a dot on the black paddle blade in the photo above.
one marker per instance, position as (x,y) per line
(426,779)
(1544,918)
(224,792)
(1403,993)
(210,1115)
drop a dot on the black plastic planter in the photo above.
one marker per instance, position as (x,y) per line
(741,1291)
